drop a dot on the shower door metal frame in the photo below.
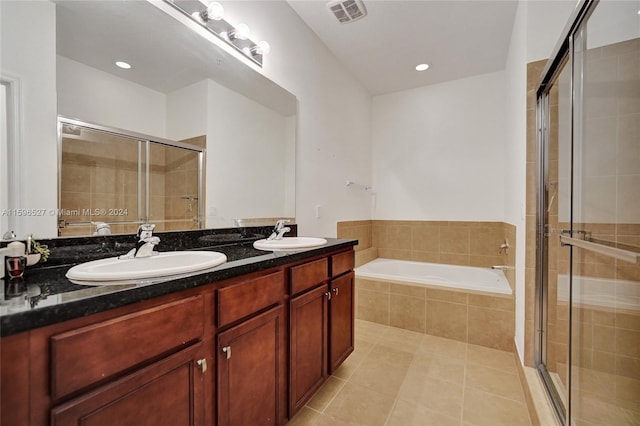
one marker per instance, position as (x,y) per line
(563,55)
(144,146)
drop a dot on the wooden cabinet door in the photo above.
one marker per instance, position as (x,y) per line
(168,392)
(251,365)
(308,325)
(341,320)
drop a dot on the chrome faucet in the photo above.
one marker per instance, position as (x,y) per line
(9,235)
(279,230)
(146,243)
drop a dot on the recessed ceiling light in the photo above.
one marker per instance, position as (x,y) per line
(422,67)
(123,65)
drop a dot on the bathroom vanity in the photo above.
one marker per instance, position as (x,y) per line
(247,343)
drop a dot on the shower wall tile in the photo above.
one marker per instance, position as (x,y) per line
(454,240)
(425,256)
(365,256)
(455,259)
(362,230)
(457,243)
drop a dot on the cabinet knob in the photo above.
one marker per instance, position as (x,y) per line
(202,364)
(336,290)
(328,294)
(227,350)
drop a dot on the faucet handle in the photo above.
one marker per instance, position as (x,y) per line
(145,230)
(280,223)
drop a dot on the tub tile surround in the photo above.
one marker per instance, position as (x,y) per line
(481,319)
(467,317)
(399,377)
(454,243)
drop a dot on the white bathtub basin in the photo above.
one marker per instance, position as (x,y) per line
(289,243)
(119,271)
(435,274)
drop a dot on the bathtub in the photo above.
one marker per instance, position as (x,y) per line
(466,278)
(600,292)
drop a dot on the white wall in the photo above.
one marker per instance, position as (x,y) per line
(102,98)
(187,111)
(246,159)
(333,134)
(516,157)
(4,177)
(438,151)
(33,61)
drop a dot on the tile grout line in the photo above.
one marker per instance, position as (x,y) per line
(464,381)
(397,396)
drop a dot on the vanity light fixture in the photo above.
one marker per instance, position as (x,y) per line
(211,17)
(214,11)
(241,32)
(422,67)
(123,65)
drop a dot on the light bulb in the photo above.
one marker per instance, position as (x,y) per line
(215,11)
(262,48)
(198,16)
(123,65)
(422,67)
(240,32)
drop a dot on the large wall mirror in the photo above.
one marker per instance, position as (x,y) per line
(180,87)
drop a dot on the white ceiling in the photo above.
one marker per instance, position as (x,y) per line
(154,42)
(457,38)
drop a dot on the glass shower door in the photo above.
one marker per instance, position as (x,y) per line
(588,270)
(605,284)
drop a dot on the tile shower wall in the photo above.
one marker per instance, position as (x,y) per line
(105,176)
(177,196)
(98,175)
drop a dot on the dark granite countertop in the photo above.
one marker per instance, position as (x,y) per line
(45,296)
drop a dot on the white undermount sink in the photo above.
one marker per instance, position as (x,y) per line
(289,243)
(114,271)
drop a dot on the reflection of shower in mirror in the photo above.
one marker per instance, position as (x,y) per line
(190,199)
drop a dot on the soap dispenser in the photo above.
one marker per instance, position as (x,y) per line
(4,252)
(15,260)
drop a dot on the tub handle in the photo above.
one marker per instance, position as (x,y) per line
(336,290)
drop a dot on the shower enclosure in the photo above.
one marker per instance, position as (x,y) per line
(588,230)
(122,179)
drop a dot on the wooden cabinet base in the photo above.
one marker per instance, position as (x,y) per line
(168,392)
(251,360)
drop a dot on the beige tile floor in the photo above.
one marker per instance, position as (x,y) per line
(401,378)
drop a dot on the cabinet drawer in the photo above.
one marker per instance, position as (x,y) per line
(243,299)
(309,275)
(341,263)
(97,352)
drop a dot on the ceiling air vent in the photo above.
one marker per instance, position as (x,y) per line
(347,10)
